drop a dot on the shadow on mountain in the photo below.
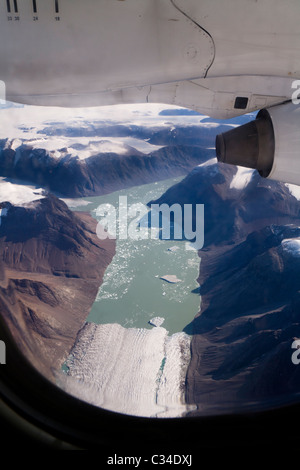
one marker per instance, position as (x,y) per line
(250,290)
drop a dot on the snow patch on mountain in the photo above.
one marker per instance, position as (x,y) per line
(294,190)
(19,194)
(242,178)
(292,245)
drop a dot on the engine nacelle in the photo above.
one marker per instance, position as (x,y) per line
(269,144)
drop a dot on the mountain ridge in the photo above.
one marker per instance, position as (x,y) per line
(50,273)
(250,294)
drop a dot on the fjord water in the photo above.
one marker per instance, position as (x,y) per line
(132,292)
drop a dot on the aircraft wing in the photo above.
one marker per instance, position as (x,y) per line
(220,58)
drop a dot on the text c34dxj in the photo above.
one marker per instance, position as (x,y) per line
(157,459)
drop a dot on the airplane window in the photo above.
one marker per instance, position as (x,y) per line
(139,274)
(96,266)
(149,225)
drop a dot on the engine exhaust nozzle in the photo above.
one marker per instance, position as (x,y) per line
(251,145)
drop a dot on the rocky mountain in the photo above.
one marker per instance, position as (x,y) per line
(241,348)
(201,132)
(249,287)
(236,202)
(88,153)
(63,171)
(52,264)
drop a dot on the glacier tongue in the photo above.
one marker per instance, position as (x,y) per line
(135,371)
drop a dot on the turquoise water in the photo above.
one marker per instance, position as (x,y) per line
(132,292)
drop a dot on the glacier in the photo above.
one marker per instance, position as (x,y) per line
(136,371)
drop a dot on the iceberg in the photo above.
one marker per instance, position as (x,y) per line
(156,321)
(170,278)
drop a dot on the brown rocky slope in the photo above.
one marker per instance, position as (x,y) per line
(52,264)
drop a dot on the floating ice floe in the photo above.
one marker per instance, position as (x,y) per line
(156,321)
(170,278)
(173,248)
